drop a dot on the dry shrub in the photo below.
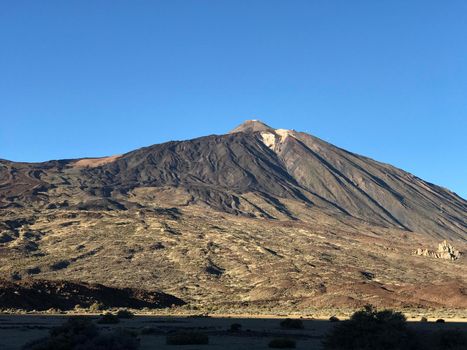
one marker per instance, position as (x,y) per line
(290,323)
(108,318)
(125,314)
(370,329)
(79,333)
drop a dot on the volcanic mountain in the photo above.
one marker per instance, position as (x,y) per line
(219,199)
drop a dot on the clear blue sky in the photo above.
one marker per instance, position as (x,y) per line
(386,78)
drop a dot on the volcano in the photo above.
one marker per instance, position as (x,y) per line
(258,215)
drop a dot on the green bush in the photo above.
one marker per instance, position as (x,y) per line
(423,319)
(289,323)
(371,329)
(125,314)
(108,318)
(333,319)
(282,343)
(79,333)
(440,320)
(187,338)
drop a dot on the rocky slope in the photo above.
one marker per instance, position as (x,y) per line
(257,215)
(250,171)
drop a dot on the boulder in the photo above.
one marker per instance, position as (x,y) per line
(445,251)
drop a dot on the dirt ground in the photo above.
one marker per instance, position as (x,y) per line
(16,330)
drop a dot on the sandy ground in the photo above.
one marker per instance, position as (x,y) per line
(94,162)
(16,330)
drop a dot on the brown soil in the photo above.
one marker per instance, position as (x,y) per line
(93,162)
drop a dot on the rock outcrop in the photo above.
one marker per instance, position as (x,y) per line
(445,251)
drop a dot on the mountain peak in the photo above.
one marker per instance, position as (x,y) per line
(252,126)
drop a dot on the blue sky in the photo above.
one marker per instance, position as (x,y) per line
(386,78)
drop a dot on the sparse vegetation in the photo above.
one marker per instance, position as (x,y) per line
(33,271)
(423,319)
(366,329)
(79,333)
(235,327)
(108,318)
(96,307)
(187,338)
(290,323)
(59,265)
(125,314)
(282,343)
(367,275)
(370,329)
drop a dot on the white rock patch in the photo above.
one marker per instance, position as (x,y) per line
(283,133)
(269,139)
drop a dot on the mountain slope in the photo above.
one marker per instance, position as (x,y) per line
(250,171)
(371,190)
(258,219)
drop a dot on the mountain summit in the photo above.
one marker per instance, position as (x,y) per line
(252,126)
